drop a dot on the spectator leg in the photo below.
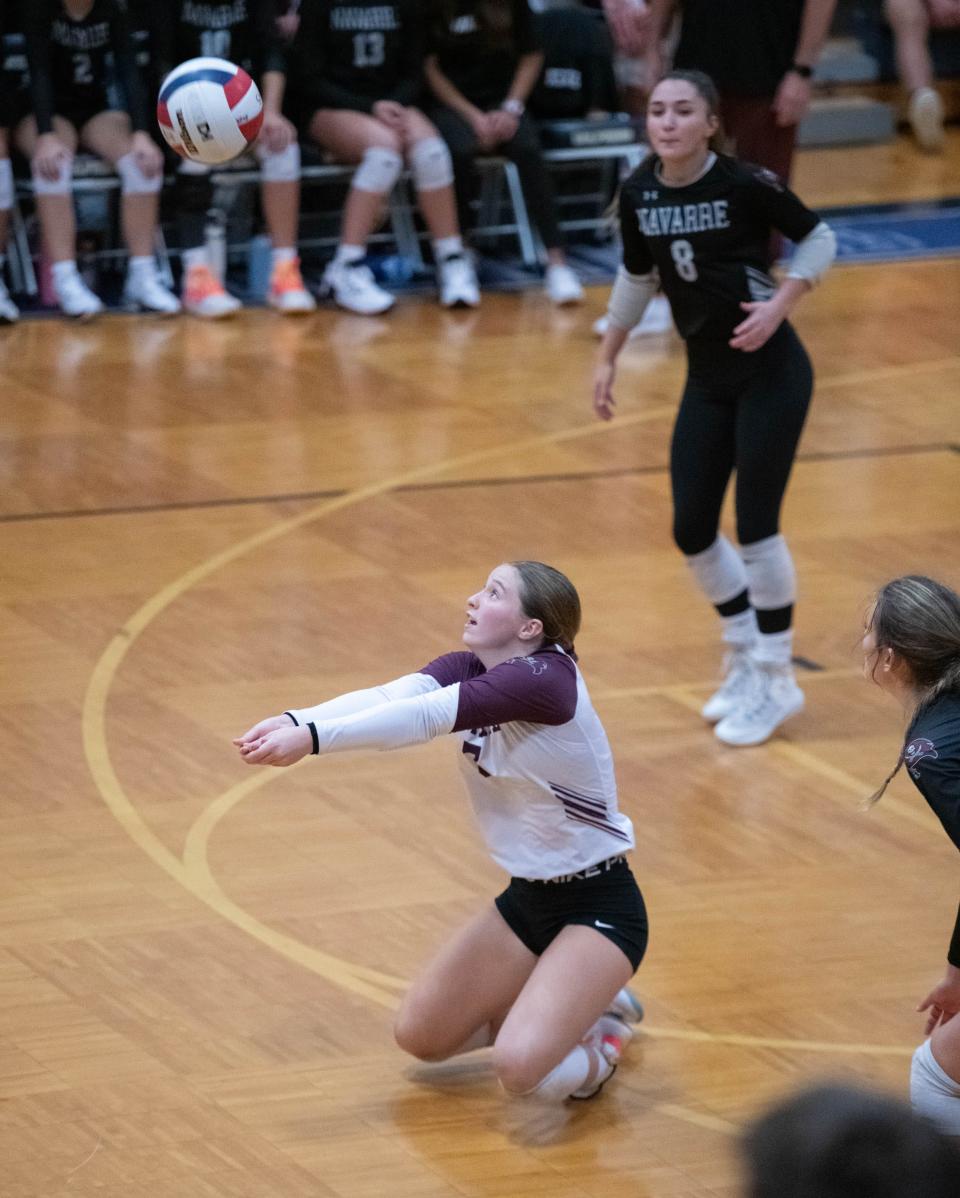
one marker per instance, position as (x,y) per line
(525,151)
(108,135)
(462,144)
(350,136)
(57,219)
(910,23)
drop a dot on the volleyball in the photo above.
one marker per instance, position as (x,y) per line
(209,110)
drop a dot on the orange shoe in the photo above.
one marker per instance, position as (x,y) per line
(204,295)
(287,293)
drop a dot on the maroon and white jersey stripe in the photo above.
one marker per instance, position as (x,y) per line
(536,762)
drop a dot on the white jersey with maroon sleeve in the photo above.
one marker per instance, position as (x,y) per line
(536,762)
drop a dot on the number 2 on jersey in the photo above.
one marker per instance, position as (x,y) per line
(682,254)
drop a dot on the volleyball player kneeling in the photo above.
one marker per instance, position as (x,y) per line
(540,975)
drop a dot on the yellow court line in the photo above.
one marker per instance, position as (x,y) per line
(883,374)
(745,1041)
(682,690)
(710,1122)
(816,765)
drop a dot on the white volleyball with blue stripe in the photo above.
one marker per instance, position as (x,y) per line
(209,110)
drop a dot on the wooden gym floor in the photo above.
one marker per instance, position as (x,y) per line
(202,524)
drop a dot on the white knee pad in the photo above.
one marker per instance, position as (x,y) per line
(279,168)
(431,164)
(933,1093)
(6,185)
(133,182)
(719,571)
(378,171)
(771,576)
(61,185)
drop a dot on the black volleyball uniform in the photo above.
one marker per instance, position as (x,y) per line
(349,54)
(14,77)
(932,757)
(241,31)
(740,410)
(577,74)
(79,68)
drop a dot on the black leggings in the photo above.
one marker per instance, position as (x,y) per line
(523,149)
(742,412)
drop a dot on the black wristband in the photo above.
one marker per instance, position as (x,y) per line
(314,737)
(801,69)
(292,717)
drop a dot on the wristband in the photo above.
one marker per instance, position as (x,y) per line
(515,107)
(801,69)
(292,717)
(314,737)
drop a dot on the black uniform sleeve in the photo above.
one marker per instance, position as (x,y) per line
(308,63)
(525,38)
(936,770)
(932,758)
(272,55)
(128,73)
(161,17)
(37,17)
(410,84)
(776,204)
(637,258)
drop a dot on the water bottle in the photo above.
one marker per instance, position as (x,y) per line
(215,241)
(259,265)
(394,270)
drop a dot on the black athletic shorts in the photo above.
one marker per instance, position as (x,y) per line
(604,896)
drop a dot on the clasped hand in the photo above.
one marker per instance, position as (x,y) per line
(274,741)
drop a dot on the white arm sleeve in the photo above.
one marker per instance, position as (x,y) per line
(411,721)
(630,296)
(813,255)
(400,688)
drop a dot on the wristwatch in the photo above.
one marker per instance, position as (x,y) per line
(515,107)
(801,69)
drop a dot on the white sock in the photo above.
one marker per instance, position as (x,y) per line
(446,247)
(774,648)
(570,1075)
(481,1038)
(740,630)
(348,253)
(65,270)
(933,1092)
(195,257)
(280,254)
(141,265)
